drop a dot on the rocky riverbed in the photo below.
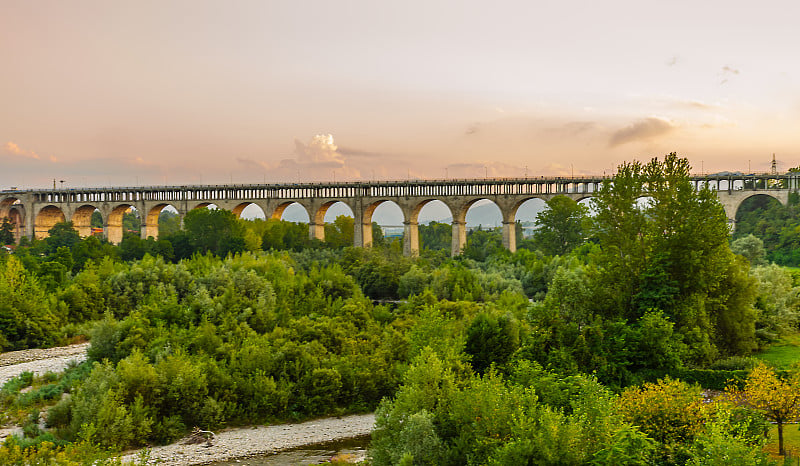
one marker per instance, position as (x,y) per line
(227,445)
(260,440)
(40,361)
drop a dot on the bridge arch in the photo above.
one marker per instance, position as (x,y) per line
(526,211)
(732,200)
(82,219)
(366,219)
(239,209)
(460,211)
(411,212)
(46,219)
(13,209)
(151,217)
(317,224)
(281,208)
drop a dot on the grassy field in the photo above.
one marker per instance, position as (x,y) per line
(791,437)
(783,354)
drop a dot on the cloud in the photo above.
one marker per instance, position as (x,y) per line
(351,152)
(321,151)
(642,130)
(320,159)
(574,128)
(251,164)
(14,149)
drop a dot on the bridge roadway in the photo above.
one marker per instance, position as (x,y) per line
(34,212)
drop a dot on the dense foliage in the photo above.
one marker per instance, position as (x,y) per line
(777,225)
(569,350)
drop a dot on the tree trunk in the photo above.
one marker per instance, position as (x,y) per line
(781,450)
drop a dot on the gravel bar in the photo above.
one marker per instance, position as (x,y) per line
(261,440)
(39,361)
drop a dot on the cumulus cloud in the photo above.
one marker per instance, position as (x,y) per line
(320,151)
(320,159)
(642,130)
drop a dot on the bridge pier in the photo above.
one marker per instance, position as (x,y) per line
(510,236)
(459,238)
(410,239)
(316,231)
(360,230)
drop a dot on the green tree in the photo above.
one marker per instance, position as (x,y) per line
(777,397)
(62,234)
(339,234)
(168,222)
(214,230)
(491,339)
(436,236)
(751,248)
(7,232)
(561,226)
(131,222)
(97,219)
(482,244)
(26,316)
(671,253)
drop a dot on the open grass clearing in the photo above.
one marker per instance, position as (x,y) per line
(783,354)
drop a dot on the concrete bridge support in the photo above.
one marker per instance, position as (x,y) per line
(410,238)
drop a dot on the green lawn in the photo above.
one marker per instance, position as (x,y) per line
(782,354)
(791,437)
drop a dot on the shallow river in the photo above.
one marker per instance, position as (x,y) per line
(353,449)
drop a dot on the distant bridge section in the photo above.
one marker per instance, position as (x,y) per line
(34,212)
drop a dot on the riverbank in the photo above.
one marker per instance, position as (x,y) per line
(40,361)
(259,440)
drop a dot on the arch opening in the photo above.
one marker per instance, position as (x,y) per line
(751,209)
(161,219)
(11,210)
(291,212)
(249,211)
(124,218)
(84,220)
(590,206)
(334,223)
(527,212)
(389,219)
(433,218)
(46,219)
(482,230)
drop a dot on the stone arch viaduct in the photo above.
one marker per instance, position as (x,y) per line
(34,212)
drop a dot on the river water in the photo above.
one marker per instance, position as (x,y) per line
(354,450)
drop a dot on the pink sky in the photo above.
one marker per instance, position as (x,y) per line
(165,92)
